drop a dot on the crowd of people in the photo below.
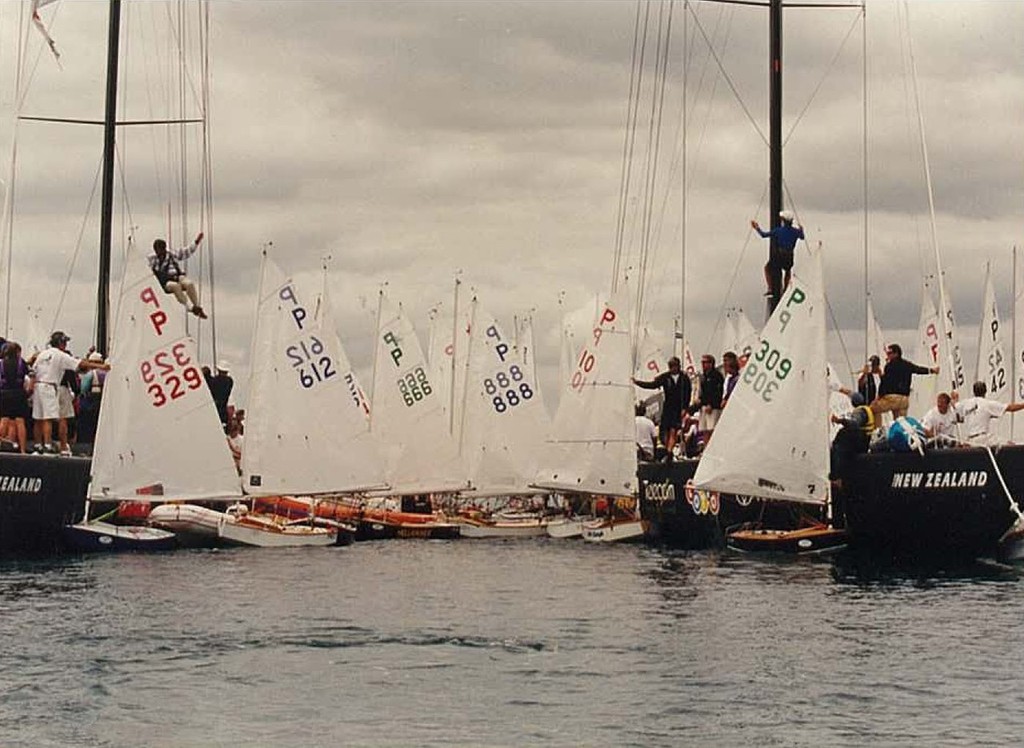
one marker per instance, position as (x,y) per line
(51,400)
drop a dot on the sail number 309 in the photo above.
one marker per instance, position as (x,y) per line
(765,370)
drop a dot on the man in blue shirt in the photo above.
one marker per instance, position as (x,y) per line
(780,257)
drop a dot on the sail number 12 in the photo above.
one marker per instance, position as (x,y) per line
(766,369)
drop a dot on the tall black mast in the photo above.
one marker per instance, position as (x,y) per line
(775,128)
(107,195)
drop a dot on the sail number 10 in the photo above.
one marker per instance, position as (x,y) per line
(765,370)
(176,374)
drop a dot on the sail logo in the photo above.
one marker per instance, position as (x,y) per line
(702,501)
(20,484)
(945,479)
(659,492)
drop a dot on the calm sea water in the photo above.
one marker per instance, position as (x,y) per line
(504,643)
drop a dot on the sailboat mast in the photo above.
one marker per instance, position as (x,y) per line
(775,117)
(107,195)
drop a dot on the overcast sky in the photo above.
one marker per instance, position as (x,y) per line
(411,141)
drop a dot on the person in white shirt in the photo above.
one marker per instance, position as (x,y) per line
(49,367)
(978,413)
(646,434)
(940,422)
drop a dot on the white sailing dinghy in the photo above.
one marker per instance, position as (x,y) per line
(291,357)
(501,415)
(773,439)
(159,436)
(307,428)
(592,449)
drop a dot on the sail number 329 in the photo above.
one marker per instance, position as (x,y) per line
(170,375)
(765,369)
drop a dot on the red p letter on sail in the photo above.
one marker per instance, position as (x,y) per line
(157,318)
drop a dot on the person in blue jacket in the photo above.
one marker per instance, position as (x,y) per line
(780,257)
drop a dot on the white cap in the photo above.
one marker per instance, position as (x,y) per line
(223,366)
(95,356)
(787,215)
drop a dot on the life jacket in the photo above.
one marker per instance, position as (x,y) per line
(869,421)
(167,269)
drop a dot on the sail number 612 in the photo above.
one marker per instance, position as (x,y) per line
(765,370)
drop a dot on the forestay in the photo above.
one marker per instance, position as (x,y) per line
(593,444)
(772,439)
(159,433)
(306,428)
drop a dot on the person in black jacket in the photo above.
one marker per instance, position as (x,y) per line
(894,389)
(677,390)
(712,389)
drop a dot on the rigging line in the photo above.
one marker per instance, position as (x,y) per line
(654,146)
(728,79)
(909,123)
(21,87)
(78,247)
(735,274)
(946,308)
(626,150)
(821,82)
(712,94)
(206,218)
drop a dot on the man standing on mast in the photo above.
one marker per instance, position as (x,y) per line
(779,268)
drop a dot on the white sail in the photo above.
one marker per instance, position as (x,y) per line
(927,353)
(592,447)
(876,338)
(838,402)
(746,337)
(1017,419)
(503,412)
(448,348)
(407,418)
(158,433)
(306,427)
(992,366)
(952,363)
(576,326)
(772,440)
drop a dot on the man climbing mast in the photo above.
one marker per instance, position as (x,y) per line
(169,273)
(779,268)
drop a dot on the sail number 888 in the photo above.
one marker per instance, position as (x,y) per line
(765,369)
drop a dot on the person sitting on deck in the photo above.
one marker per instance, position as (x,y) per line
(978,413)
(168,272)
(646,434)
(940,422)
(779,268)
(852,439)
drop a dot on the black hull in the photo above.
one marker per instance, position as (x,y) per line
(683,518)
(39,495)
(945,503)
(376,530)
